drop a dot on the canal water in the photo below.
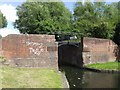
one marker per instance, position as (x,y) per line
(79,78)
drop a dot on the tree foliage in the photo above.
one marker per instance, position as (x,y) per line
(3,21)
(43,18)
(0,36)
(116,37)
(96,19)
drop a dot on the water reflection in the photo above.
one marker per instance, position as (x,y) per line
(79,78)
(74,76)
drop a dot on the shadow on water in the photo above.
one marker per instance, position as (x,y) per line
(79,78)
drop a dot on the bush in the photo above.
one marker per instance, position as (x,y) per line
(2,59)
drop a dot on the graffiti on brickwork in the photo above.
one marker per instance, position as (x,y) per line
(85,45)
(36,51)
(31,43)
(35,47)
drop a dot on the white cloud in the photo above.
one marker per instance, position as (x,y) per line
(5,31)
(9,12)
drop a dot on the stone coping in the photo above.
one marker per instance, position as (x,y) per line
(101,70)
(96,70)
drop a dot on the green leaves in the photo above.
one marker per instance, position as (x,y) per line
(116,37)
(3,21)
(96,19)
(43,18)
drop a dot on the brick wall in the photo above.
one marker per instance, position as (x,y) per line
(43,51)
(31,50)
(97,50)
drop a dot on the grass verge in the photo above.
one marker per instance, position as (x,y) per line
(105,66)
(30,78)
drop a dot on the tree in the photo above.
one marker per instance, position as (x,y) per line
(116,37)
(83,17)
(43,18)
(3,21)
(0,36)
(96,19)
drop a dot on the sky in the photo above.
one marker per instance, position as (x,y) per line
(8,8)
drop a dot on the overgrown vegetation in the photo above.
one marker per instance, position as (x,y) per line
(106,66)
(2,59)
(30,78)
